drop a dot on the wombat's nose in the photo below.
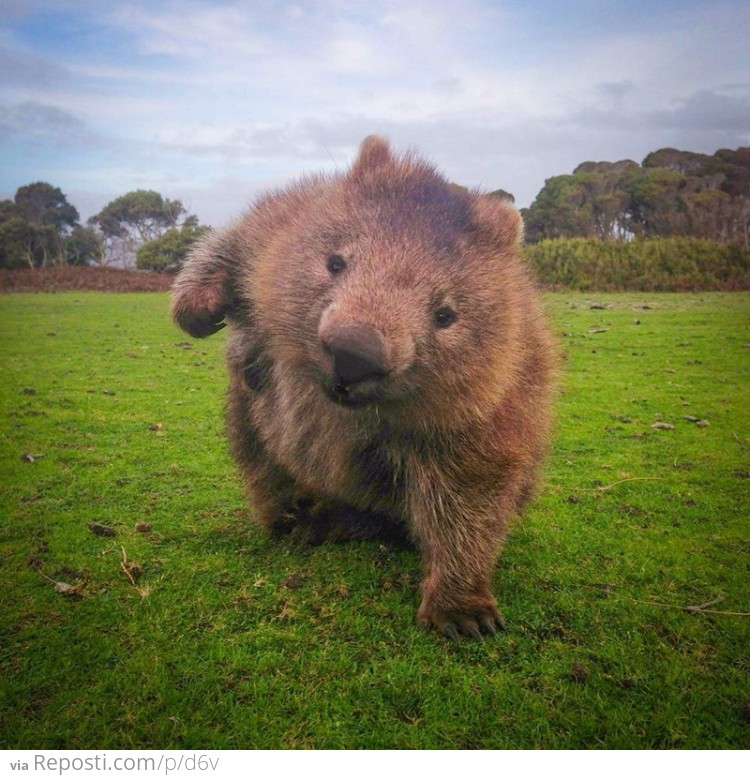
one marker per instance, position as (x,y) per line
(357,353)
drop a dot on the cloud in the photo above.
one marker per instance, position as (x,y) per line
(615,92)
(20,69)
(32,122)
(703,118)
(218,98)
(16,8)
(192,31)
(708,110)
(513,157)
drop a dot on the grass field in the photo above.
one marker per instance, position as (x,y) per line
(195,630)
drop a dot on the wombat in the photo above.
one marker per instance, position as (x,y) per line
(390,370)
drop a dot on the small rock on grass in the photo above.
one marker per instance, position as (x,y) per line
(702,424)
(662,426)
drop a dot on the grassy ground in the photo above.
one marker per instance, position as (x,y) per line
(226,639)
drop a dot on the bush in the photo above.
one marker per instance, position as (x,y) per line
(169,250)
(659,264)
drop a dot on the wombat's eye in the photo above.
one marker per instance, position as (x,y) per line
(444,317)
(336,264)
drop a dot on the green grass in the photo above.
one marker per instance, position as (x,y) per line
(231,640)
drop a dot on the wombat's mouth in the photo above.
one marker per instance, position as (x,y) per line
(352,395)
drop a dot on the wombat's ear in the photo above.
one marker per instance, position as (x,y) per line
(374,152)
(496,218)
(203,292)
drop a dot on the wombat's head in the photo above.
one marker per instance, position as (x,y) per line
(385,287)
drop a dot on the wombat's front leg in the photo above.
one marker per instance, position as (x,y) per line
(456,595)
(459,534)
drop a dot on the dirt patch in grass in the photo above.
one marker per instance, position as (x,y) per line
(55,279)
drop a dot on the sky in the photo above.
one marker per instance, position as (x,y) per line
(212,103)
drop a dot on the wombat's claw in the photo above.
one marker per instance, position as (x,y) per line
(493,623)
(474,632)
(450,630)
(454,624)
(468,628)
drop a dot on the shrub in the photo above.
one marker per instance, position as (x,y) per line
(659,264)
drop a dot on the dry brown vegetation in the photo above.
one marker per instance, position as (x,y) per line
(62,278)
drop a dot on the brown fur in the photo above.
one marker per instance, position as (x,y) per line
(443,441)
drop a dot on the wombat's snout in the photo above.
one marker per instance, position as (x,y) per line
(357,354)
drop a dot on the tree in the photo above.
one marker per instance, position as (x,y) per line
(135,219)
(45,205)
(559,210)
(35,226)
(24,243)
(8,210)
(170,250)
(592,202)
(653,206)
(736,183)
(84,245)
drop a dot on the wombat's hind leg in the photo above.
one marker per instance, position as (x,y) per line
(327,520)
(271,495)
(369,525)
(283,525)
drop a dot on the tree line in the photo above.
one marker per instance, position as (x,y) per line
(39,227)
(671,194)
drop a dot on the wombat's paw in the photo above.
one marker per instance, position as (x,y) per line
(283,525)
(470,619)
(308,521)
